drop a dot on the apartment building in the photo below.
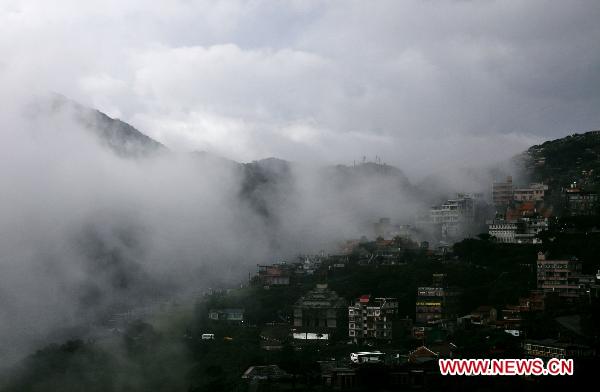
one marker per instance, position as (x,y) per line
(533,192)
(372,318)
(437,303)
(563,277)
(502,192)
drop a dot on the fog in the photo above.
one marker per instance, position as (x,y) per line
(82,227)
(434,88)
(86,229)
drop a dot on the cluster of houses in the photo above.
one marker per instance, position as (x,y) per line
(322,317)
(373,321)
(321,312)
(521,213)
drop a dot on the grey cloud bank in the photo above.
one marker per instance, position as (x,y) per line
(91,223)
(417,82)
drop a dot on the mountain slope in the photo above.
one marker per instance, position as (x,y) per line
(122,138)
(560,162)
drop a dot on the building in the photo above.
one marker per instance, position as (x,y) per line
(372,318)
(483,315)
(274,275)
(453,211)
(502,192)
(265,373)
(520,231)
(533,192)
(551,348)
(579,202)
(319,309)
(504,232)
(537,301)
(562,276)
(453,217)
(308,264)
(337,376)
(532,226)
(233,315)
(437,303)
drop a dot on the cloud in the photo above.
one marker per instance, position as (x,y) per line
(242,78)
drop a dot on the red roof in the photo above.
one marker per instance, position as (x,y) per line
(365,298)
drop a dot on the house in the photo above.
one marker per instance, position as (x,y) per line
(319,308)
(337,376)
(231,315)
(265,373)
(308,264)
(538,301)
(422,354)
(274,275)
(483,315)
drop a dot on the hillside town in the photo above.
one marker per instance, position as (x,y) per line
(381,312)
(512,272)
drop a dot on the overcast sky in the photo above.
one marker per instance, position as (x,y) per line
(423,84)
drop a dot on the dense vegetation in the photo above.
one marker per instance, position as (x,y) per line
(560,162)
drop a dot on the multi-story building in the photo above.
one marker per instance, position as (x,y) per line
(562,276)
(319,309)
(437,303)
(453,216)
(372,318)
(519,231)
(579,202)
(503,231)
(274,275)
(453,211)
(551,348)
(533,192)
(502,192)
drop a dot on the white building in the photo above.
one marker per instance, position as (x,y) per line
(453,215)
(504,232)
(522,231)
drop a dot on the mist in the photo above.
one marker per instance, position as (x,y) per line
(83,228)
(91,225)
(92,221)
